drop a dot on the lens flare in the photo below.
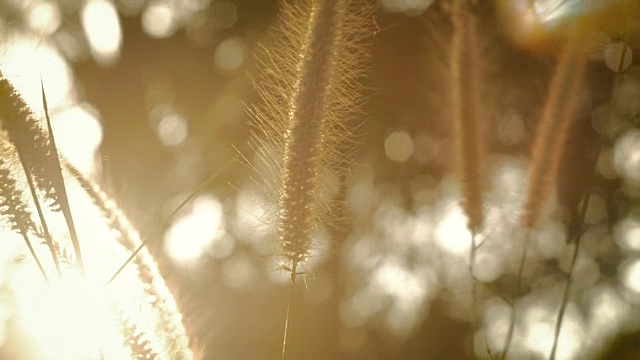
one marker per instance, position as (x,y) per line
(535,25)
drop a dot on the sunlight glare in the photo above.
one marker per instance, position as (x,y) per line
(409,7)
(230,54)
(102,28)
(540,332)
(44,17)
(607,311)
(191,235)
(631,276)
(496,316)
(489,266)
(78,136)
(69,320)
(627,233)
(172,130)
(550,239)
(533,24)
(548,11)
(158,20)
(26,60)
(396,281)
(613,52)
(239,273)
(626,156)
(451,233)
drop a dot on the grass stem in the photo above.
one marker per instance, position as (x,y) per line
(512,321)
(474,292)
(292,285)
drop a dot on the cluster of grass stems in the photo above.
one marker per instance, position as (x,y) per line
(28,149)
(308,50)
(303,131)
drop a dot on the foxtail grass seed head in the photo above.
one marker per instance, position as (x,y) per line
(554,124)
(311,96)
(466,80)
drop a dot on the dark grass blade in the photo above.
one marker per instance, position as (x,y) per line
(58,182)
(577,237)
(30,144)
(43,221)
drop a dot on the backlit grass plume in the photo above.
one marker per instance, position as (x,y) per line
(76,315)
(554,123)
(311,96)
(160,298)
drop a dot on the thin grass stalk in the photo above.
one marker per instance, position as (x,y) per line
(580,224)
(577,239)
(474,292)
(467,116)
(512,320)
(78,175)
(292,286)
(551,134)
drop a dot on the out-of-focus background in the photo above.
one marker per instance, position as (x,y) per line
(149,96)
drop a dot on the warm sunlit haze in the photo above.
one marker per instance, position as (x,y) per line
(156,102)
